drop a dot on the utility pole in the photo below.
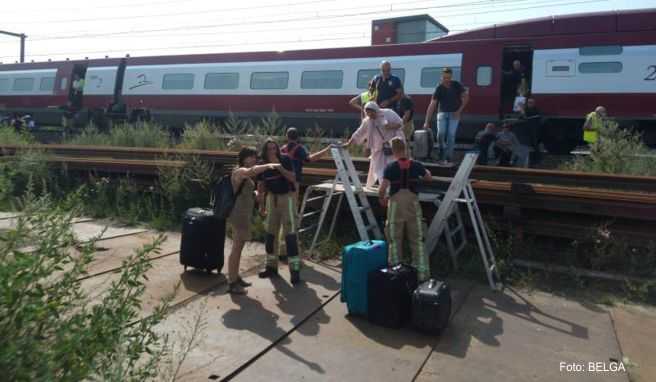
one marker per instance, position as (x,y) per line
(22,36)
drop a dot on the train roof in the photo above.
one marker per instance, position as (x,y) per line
(580,23)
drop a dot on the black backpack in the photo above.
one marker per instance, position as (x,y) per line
(225,197)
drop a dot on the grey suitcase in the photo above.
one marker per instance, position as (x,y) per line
(422,144)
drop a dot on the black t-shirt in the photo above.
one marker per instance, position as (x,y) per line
(450,99)
(387,89)
(394,174)
(299,155)
(406,104)
(275,182)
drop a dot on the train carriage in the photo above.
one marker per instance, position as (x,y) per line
(574,63)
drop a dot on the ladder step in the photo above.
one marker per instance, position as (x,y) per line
(493,267)
(364,208)
(316,198)
(307,215)
(371,226)
(307,228)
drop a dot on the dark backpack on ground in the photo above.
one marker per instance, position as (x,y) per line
(431,306)
(225,197)
(390,295)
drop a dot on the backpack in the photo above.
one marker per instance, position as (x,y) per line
(225,197)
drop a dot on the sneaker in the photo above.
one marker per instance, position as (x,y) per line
(236,288)
(268,272)
(243,283)
(295,277)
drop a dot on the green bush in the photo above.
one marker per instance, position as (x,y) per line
(9,136)
(25,171)
(90,136)
(617,151)
(49,328)
(202,136)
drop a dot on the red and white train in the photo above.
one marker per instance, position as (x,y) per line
(575,63)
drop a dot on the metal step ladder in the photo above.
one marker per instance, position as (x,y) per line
(346,183)
(461,192)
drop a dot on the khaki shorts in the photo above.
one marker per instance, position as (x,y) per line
(241,230)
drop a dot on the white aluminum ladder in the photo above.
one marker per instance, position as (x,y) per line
(461,191)
(346,182)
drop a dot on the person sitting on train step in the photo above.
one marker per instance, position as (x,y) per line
(505,145)
(594,121)
(484,140)
(280,210)
(361,99)
(377,129)
(299,154)
(452,98)
(389,88)
(403,210)
(407,112)
(242,211)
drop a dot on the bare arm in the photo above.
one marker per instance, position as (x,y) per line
(395,98)
(427,176)
(356,102)
(319,154)
(463,104)
(429,113)
(289,175)
(243,172)
(382,192)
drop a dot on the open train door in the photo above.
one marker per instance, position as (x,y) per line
(75,94)
(511,83)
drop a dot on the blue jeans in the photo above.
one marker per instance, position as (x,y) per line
(446,127)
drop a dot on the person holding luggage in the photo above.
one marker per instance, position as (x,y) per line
(240,216)
(280,210)
(403,210)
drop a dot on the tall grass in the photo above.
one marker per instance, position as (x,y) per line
(202,136)
(137,135)
(617,151)
(10,136)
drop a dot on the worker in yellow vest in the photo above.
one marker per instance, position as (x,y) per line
(593,123)
(361,99)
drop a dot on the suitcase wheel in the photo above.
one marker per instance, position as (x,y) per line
(209,271)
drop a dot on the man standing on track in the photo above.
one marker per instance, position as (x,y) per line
(452,98)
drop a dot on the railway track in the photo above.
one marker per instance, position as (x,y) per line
(487,173)
(558,204)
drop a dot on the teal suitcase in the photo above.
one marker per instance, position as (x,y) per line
(357,261)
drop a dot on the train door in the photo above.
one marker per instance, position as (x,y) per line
(516,66)
(75,94)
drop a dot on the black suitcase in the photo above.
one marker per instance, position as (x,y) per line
(390,295)
(431,306)
(203,238)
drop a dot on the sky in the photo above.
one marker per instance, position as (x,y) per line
(93,28)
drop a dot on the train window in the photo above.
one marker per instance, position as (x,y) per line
(484,76)
(178,81)
(221,81)
(600,67)
(4,84)
(365,75)
(560,68)
(47,83)
(606,50)
(269,80)
(23,84)
(430,77)
(322,79)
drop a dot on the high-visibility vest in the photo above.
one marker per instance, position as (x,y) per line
(596,122)
(366,97)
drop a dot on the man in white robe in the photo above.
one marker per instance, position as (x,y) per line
(377,128)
